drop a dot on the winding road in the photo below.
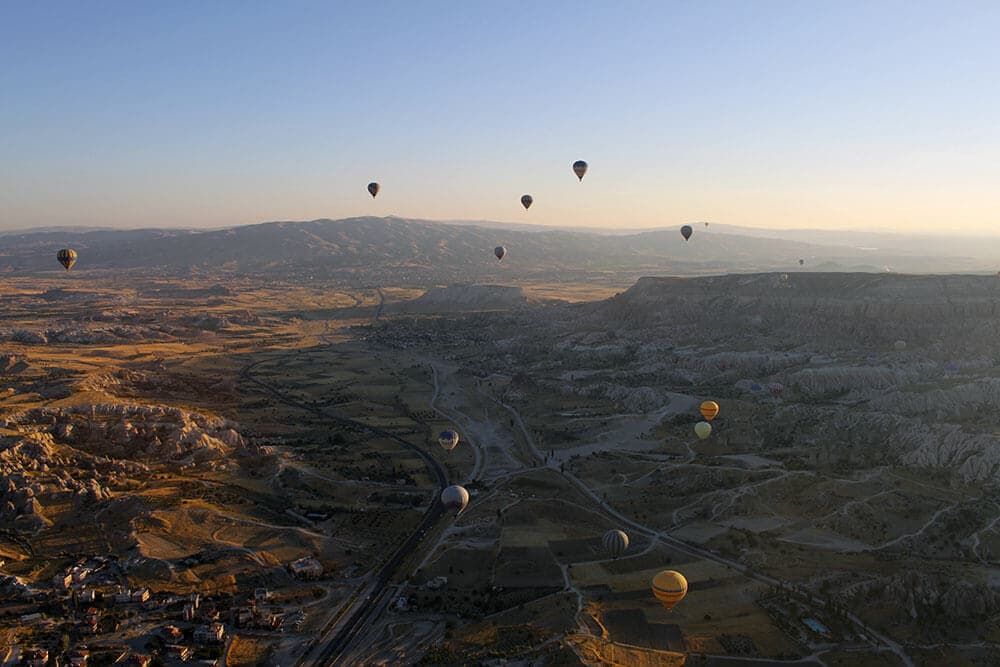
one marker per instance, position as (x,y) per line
(363,607)
(699,552)
(344,627)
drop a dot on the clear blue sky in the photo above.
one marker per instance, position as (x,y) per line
(807,114)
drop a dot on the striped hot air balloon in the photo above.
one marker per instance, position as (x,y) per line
(709,410)
(615,542)
(66,257)
(669,587)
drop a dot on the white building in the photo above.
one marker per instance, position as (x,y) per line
(306,568)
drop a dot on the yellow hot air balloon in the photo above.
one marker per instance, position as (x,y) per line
(669,587)
(709,410)
(702,430)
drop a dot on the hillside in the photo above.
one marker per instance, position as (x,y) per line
(938,312)
(419,251)
(465,298)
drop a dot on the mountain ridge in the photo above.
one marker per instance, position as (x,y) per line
(362,245)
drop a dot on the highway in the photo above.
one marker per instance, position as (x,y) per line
(362,607)
(342,629)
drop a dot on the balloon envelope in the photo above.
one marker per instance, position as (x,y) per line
(373,188)
(66,257)
(580,168)
(709,409)
(455,498)
(669,587)
(500,252)
(448,439)
(526,201)
(615,542)
(702,430)
(686,232)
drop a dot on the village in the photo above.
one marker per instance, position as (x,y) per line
(85,618)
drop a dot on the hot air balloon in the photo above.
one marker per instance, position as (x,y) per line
(67,258)
(373,188)
(801,262)
(686,232)
(899,345)
(702,430)
(776,389)
(706,224)
(709,409)
(448,439)
(669,587)
(580,168)
(755,388)
(500,252)
(455,498)
(526,201)
(615,542)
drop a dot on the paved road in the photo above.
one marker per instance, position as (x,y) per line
(339,634)
(343,630)
(375,593)
(696,551)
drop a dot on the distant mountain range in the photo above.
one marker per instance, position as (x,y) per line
(421,251)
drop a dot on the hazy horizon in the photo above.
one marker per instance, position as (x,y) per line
(257,411)
(775,115)
(725,227)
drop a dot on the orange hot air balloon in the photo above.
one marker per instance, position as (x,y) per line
(709,410)
(669,587)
